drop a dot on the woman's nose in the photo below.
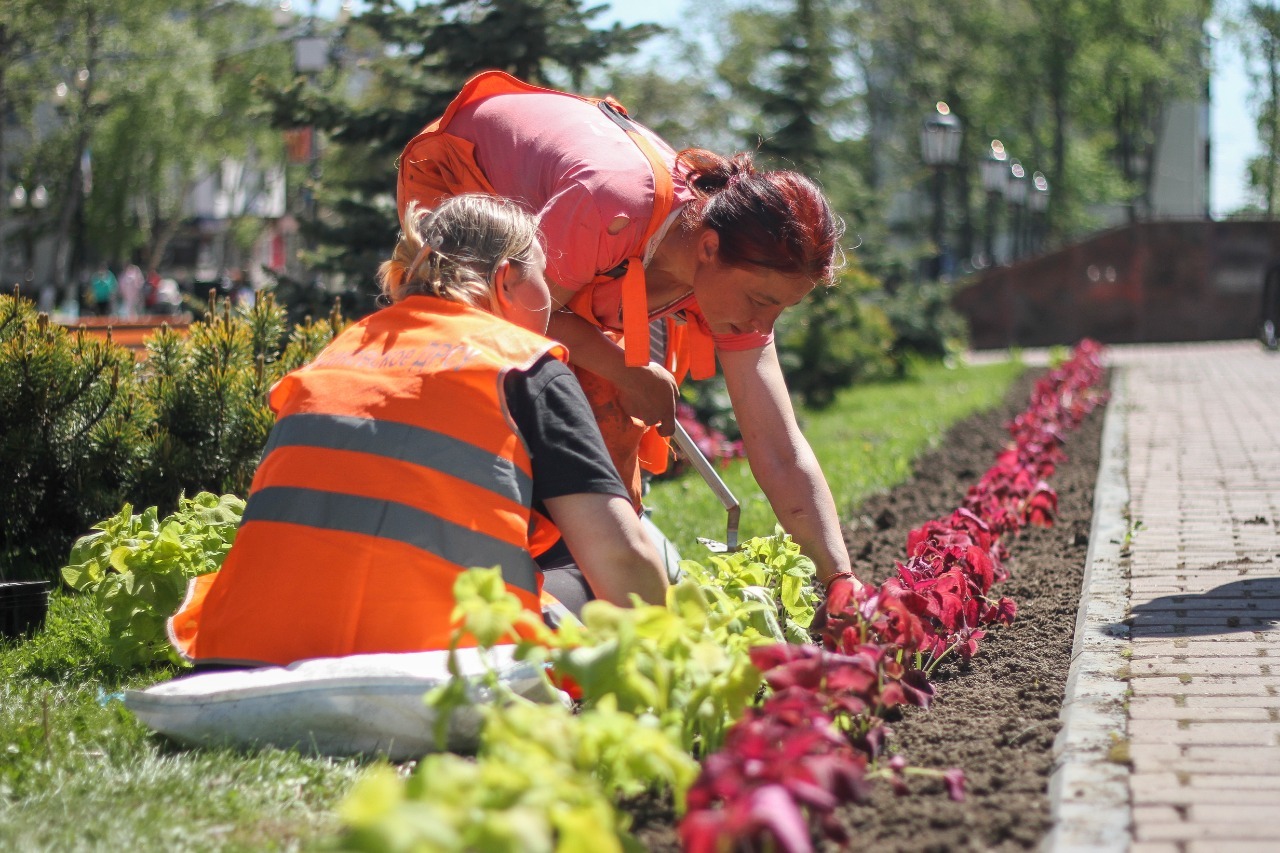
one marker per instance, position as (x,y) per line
(763,321)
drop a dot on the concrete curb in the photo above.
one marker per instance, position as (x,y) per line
(1089,789)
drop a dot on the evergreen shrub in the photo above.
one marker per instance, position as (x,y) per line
(73,434)
(836,337)
(923,321)
(84,428)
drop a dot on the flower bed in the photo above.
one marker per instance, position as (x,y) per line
(995,716)
(820,734)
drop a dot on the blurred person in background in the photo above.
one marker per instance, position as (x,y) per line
(102,290)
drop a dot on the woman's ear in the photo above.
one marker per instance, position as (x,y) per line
(708,245)
(503,279)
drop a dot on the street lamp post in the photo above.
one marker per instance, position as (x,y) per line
(311,55)
(995,176)
(1016,194)
(26,207)
(940,138)
(1038,204)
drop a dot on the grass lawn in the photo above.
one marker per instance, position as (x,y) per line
(77,771)
(866,442)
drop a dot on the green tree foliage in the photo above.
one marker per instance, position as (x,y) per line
(783,65)
(837,337)
(1077,89)
(26,36)
(124,104)
(208,391)
(180,107)
(1261,37)
(416,59)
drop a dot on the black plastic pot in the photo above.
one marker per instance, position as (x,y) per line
(23,607)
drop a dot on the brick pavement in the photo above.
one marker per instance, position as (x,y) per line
(1203,442)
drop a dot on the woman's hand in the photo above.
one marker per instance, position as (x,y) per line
(646,393)
(649,394)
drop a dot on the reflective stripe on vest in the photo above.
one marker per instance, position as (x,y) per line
(399,522)
(405,443)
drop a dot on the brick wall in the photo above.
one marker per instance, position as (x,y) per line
(1154,281)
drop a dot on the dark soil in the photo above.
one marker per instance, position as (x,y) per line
(995,717)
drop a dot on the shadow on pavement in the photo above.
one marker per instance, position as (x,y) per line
(1236,607)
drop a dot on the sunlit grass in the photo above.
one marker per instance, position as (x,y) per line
(79,772)
(866,442)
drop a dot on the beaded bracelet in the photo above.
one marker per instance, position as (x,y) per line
(826,584)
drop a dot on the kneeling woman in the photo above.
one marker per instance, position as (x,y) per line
(439,433)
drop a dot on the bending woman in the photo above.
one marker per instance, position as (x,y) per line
(635,233)
(439,433)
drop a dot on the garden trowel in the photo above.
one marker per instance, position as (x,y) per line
(689,450)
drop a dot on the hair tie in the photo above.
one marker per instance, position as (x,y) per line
(428,246)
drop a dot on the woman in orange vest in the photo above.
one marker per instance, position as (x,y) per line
(441,432)
(636,232)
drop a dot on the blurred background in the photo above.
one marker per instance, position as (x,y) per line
(1012,172)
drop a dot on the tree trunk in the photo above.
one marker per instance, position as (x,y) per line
(73,186)
(7,44)
(1273,144)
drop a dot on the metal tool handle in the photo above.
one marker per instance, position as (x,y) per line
(690,451)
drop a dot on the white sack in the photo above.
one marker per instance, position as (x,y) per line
(356,705)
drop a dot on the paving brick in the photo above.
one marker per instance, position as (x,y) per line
(1241,643)
(1200,666)
(1257,830)
(1203,454)
(1185,795)
(1195,734)
(1219,845)
(1217,781)
(1226,813)
(1199,715)
(1205,686)
(1212,766)
(1157,814)
(1245,756)
(1212,702)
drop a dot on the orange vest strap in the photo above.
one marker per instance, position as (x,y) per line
(702,353)
(635,304)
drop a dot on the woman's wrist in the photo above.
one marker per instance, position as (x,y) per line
(834,576)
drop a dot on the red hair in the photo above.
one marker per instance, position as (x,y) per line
(778,220)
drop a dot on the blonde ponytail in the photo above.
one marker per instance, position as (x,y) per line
(453,250)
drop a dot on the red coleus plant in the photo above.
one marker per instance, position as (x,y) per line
(776,764)
(819,736)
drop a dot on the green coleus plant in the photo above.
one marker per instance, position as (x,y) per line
(656,686)
(138,566)
(769,570)
(688,663)
(543,780)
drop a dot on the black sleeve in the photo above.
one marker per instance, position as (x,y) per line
(552,414)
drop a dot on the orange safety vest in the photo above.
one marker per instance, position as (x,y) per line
(392,467)
(436,165)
